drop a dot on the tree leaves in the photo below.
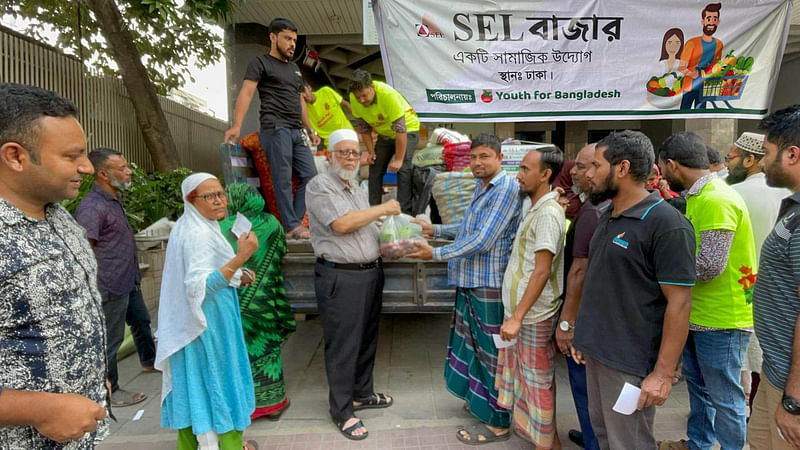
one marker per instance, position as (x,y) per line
(168,33)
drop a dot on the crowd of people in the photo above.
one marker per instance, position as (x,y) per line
(641,266)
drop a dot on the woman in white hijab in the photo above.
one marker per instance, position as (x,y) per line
(207,391)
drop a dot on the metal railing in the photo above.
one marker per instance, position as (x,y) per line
(106,112)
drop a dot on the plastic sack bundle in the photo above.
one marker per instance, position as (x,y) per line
(453,193)
(398,235)
(428,156)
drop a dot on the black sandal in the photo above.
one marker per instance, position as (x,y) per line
(476,431)
(376,400)
(348,432)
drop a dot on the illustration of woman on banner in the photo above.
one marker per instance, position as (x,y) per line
(665,88)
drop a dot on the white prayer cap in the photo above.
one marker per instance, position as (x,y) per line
(751,142)
(342,134)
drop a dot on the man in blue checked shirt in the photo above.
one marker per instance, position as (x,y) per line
(477,260)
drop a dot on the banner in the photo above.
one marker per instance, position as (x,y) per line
(510,60)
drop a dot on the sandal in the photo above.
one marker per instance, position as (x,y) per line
(274,417)
(476,431)
(376,400)
(348,432)
(122,398)
(250,445)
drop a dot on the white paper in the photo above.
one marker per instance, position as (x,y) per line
(781,434)
(628,398)
(500,343)
(138,414)
(239,161)
(241,225)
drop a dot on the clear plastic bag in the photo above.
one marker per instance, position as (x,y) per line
(397,236)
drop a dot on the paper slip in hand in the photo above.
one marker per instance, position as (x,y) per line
(138,414)
(628,399)
(500,343)
(241,225)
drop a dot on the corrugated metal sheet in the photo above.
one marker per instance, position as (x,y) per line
(106,111)
(312,17)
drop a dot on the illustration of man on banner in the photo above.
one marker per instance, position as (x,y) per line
(698,54)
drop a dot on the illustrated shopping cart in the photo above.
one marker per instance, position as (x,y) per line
(722,90)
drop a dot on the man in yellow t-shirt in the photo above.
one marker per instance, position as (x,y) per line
(379,107)
(326,111)
(721,319)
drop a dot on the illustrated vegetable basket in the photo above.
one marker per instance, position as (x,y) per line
(723,89)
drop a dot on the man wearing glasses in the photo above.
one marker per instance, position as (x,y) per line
(348,281)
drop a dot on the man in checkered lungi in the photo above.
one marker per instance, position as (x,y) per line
(531,289)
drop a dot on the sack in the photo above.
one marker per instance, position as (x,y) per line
(428,156)
(398,235)
(456,156)
(453,193)
(444,136)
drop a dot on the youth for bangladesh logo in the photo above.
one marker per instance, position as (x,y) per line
(486,97)
(428,29)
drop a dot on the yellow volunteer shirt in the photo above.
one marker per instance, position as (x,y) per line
(326,113)
(389,105)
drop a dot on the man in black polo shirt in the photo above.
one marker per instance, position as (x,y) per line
(634,314)
(282,112)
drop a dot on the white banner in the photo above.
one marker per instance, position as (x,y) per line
(540,60)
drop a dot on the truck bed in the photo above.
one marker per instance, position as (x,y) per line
(411,285)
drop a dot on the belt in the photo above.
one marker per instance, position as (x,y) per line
(351,266)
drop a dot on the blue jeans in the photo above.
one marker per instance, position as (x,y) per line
(577,383)
(712,366)
(287,154)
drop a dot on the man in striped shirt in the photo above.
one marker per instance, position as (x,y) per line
(775,420)
(477,260)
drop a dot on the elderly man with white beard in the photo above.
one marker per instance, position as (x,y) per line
(348,281)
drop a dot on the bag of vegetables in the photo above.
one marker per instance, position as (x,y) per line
(398,235)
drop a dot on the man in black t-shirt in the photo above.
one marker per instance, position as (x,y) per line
(634,310)
(282,115)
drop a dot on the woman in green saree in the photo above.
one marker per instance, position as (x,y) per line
(267,317)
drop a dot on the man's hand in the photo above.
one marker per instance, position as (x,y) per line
(655,390)
(427,227)
(391,208)
(577,356)
(315,139)
(68,417)
(510,328)
(232,135)
(424,251)
(564,340)
(395,165)
(789,426)
(562,199)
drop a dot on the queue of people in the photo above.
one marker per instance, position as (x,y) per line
(641,292)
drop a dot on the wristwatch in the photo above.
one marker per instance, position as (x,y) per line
(790,404)
(566,326)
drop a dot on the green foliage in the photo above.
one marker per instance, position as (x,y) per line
(167,35)
(151,196)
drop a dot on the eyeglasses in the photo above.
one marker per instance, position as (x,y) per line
(729,158)
(211,196)
(348,153)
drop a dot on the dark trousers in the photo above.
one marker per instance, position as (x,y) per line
(287,153)
(614,430)
(131,309)
(577,384)
(384,153)
(349,306)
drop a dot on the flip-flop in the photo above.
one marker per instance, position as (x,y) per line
(376,400)
(276,416)
(481,429)
(251,443)
(122,398)
(348,432)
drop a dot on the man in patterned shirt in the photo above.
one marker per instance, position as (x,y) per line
(477,261)
(721,320)
(52,350)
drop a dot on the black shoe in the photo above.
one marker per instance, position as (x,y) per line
(576,437)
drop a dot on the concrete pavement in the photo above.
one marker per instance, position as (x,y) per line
(409,367)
